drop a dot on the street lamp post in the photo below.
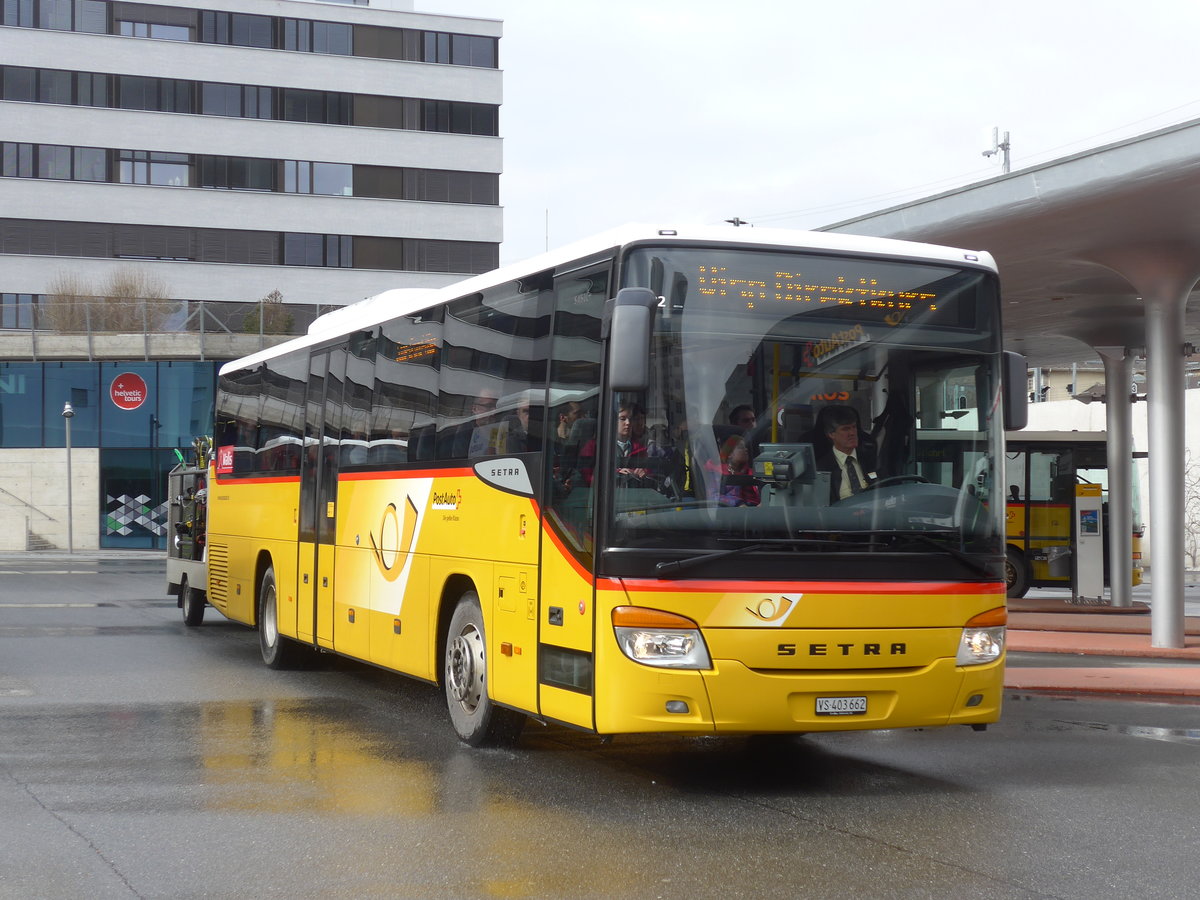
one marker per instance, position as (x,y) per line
(68,413)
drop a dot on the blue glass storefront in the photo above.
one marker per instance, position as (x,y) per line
(136,413)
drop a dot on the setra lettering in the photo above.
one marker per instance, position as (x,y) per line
(897,648)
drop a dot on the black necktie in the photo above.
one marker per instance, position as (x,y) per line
(856,484)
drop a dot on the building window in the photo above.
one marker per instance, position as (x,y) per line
(300,177)
(255,101)
(18,83)
(220,99)
(473,50)
(145,167)
(145,20)
(155,94)
(152,21)
(90,164)
(53,161)
(237,173)
(17,311)
(326,250)
(317,37)
(19,13)
(92,89)
(323,107)
(268,248)
(59,15)
(238,29)
(16,160)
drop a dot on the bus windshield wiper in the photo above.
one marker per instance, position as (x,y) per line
(680,565)
(963,558)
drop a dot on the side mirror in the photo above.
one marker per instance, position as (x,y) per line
(629,339)
(1014,387)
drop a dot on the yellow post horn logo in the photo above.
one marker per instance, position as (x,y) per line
(394,541)
(770,609)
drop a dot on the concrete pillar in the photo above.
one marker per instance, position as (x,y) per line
(1118,375)
(1164,275)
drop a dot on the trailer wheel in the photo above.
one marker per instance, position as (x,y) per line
(477,720)
(191,601)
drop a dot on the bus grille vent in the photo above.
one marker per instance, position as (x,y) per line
(218,575)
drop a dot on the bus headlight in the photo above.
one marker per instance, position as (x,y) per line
(983,638)
(656,638)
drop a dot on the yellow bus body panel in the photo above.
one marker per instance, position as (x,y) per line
(775,651)
(247,519)
(1050,526)
(407,546)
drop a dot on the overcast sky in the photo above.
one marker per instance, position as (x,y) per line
(800,113)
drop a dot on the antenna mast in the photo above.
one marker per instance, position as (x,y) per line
(999,146)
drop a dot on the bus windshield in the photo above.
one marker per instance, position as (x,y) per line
(768,369)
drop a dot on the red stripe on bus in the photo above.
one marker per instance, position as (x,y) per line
(565,552)
(815,587)
(407,473)
(263,479)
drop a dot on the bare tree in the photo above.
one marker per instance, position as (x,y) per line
(129,300)
(275,318)
(1191,509)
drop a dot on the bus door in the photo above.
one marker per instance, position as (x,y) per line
(318,497)
(566,647)
(1051,502)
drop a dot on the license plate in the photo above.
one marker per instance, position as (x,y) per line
(841,706)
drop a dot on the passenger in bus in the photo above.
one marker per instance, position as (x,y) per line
(523,434)
(567,415)
(850,462)
(631,454)
(743,417)
(484,436)
(1014,493)
(737,484)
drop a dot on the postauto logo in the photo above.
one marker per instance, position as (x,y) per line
(446,500)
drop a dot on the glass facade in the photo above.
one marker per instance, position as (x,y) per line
(137,413)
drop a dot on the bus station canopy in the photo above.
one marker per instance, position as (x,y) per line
(1098,254)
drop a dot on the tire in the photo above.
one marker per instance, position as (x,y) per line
(1016,573)
(477,720)
(191,601)
(278,652)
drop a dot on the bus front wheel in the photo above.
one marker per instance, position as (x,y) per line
(191,601)
(477,720)
(278,652)
(1016,573)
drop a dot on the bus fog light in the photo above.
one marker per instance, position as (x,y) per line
(980,645)
(677,706)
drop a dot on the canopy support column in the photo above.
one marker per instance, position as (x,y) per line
(1163,274)
(1118,376)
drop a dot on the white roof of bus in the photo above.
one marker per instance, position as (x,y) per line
(403,301)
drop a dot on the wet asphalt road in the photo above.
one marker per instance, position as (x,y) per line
(141,758)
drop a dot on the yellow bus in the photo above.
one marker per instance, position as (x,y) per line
(525,487)
(1043,468)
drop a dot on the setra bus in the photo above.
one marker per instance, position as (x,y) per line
(1043,468)
(526,487)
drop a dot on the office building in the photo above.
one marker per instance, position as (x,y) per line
(202,157)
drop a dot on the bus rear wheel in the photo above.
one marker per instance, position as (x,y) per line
(278,652)
(191,601)
(477,720)
(1016,573)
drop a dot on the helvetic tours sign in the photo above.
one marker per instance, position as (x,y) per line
(128,391)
